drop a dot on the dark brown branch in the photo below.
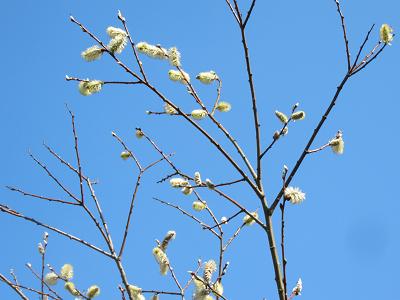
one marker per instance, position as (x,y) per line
(253,3)
(284,261)
(68,78)
(362,46)
(7,210)
(346,41)
(14,189)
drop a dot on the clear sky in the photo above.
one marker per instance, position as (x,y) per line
(342,241)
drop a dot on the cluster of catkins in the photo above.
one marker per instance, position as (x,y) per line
(66,274)
(204,286)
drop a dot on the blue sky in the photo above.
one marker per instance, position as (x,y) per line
(342,241)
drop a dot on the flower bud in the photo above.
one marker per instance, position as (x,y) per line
(224,106)
(386,34)
(70,287)
(51,278)
(178,182)
(247,220)
(139,133)
(298,115)
(210,184)
(281,116)
(93,291)
(41,249)
(125,155)
(199,114)
(187,190)
(198,205)
(337,144)
(197,178)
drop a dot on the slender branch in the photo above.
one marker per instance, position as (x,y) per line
(218,96)
(127,149)
(249,13)
(346,41)
(162,292)
(68,78)
(14,189)
(228,219)
(369,61)
(233,236)
(7,210)
(139,62)
(11,285)
(232,10)
(41,280)
(318,149)
(362,46)
(284,261)
(128,220)
(274,139)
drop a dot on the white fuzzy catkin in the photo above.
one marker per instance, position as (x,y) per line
(161,259)
(197,178)
(67,271)
(187,190)
(386,34)
(114,32)
(135,292)
(298,115)
(117,44)
(176,75)
(198,205)
(337,144)
(93,291)
(70,287)
(178,182)
(298,288)
(51,278)
(199,114)
(174,57)
(247,220)
(152,50)
(87,88)
(224,106)
(169,109)
(92,53)
(294,195)
(281,116)
(207,77)
(168,237)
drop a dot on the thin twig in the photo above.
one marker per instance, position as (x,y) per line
(249,13)
(346,41)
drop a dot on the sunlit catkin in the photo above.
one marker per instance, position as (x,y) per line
(169,109)
(135,292)
(70,287)
(198,205)
(92,53)
(197,178)
(51,278)
(298,115)
(87,88)
(152,50)
(187,190)
(117,44)
(198,114)
(386,34)
(161,259)
(248,220)
(174,57)
(113,32)
(209,268)
(178,182)
(294,195)
(168,237)
(224,106)
(207,77)
(337,144)
(176,75)
(67,271)
(93,291)
(281,116)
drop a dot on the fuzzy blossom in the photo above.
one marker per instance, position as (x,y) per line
(151,50)
(210,184)
(386,34)
(294,195)
(207,77)
(139,133)
(70,287)
(209,268)
(281,116)
(135,292)
(161,259)
(218,287)
(176,75)
(169,109)
(198,205)
(51,278)
(168,237)
(247,220)
(67,271)
(92,53)
(113,32)
(178,182)
(187,190)
(224,106)
(41,249)
(224,220)
(337,144)
(199,114)
(155,297)
(125,155)
(298,115)
(117,44)
(197,178)
(93,291)
(174,57)
(298,288)
(89,87)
